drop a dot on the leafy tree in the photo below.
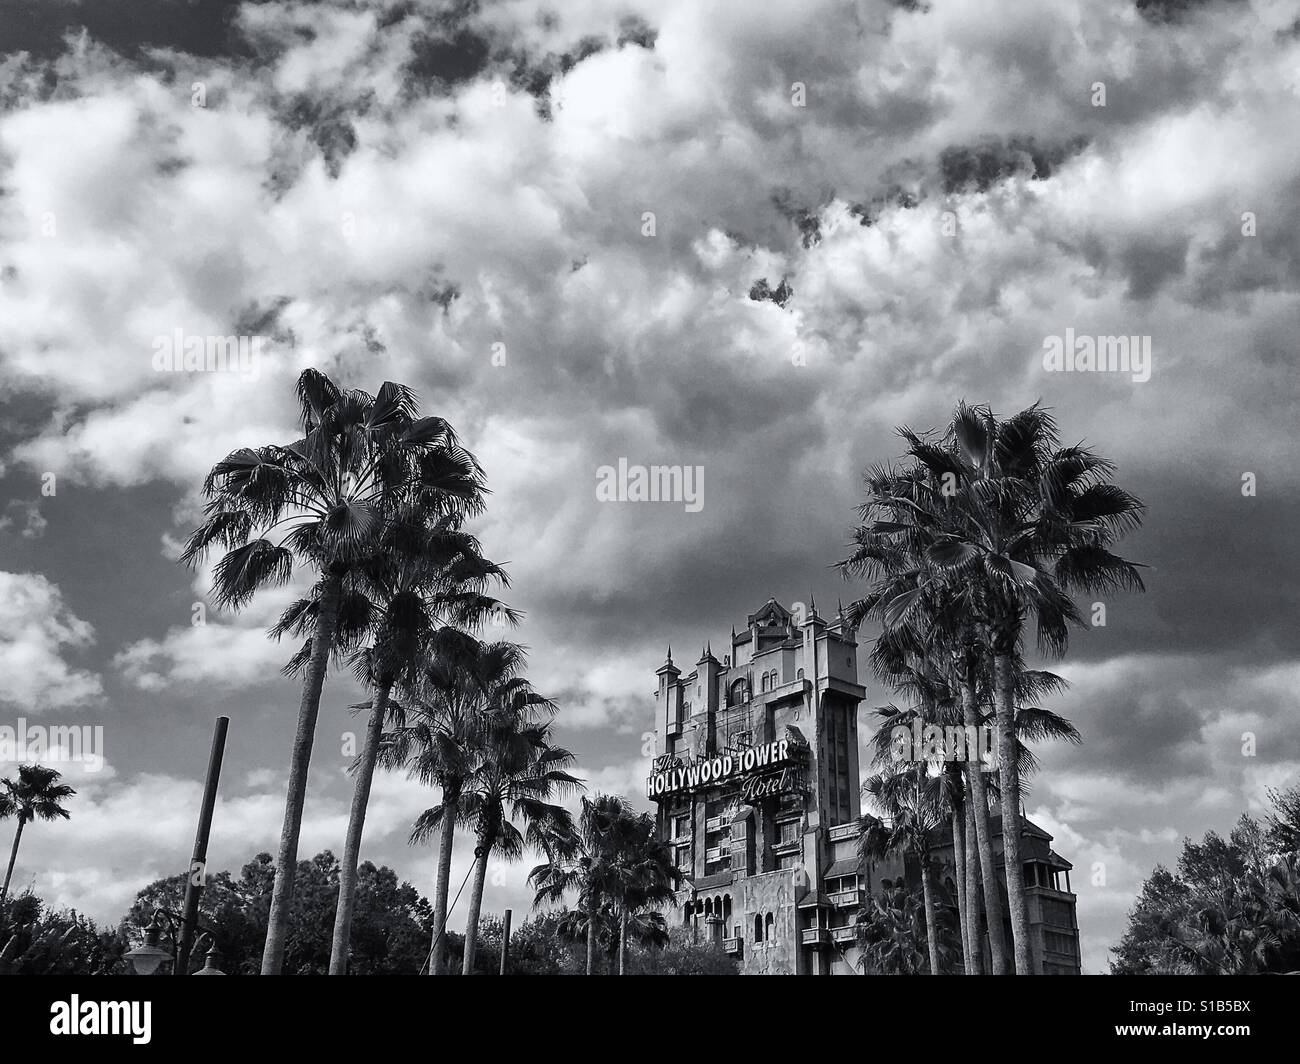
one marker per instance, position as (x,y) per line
(1232,907)
(682,956)
(390,923)
(39,942)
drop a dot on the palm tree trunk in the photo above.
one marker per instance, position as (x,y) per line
(1004,688)
(622,940)
(475,905)
(591,940)
(973,908)
(13,856)
(286,862)
(356,823)
(931,929)
(446,837)
(959,868)
(984,838)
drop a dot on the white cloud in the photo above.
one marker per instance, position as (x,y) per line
(36,630)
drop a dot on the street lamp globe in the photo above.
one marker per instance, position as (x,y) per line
(147,958)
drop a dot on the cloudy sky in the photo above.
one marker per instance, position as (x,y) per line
(549,220)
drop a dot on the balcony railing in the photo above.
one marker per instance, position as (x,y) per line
(733,946)
(714,823)
(816,936)
(846,899)
(845,933)
(840,832)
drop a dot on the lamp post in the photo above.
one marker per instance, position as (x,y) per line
(147,959)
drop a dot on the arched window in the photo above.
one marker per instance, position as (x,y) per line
(758,928)
(708,908)
(726,906)
(764,682)
(799,675)
(768,925)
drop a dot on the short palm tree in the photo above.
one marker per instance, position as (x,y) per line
(324,503)
(581,861)
(891,928)
(35,795)
(438,739)
(913,817)
(517,777)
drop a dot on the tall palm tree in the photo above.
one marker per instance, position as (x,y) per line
(426,577)
(1027,523)
(517,775)
(582,861)
(991,526)
(35,795)
(324,502)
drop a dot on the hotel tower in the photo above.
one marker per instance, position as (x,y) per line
(756,780)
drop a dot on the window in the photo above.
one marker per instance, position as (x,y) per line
(768,926)
(682,826)
(787,861)
(683,858)
(787,832)
(758,928)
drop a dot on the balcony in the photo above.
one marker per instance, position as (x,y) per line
(733,946)
(841,832)
(846,899)
(815,936)
(714,823)
(846,934)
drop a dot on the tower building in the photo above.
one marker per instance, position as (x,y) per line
(756,782)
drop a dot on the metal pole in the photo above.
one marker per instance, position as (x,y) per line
(198,862)
(505,942)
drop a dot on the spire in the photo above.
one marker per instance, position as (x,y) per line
(670,652)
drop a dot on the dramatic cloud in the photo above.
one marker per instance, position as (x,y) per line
(752,239)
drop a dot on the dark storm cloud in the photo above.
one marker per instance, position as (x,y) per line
(197,27)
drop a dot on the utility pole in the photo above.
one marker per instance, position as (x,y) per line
(198,862)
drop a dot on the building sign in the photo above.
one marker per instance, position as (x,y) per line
(752,768)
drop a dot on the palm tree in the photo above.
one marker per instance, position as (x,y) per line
(438,740)
(426,577)
(516,776)
(889,932)
(994,523)
(642,874)
(582,861)
(34,796)
(910,801)
(329,498)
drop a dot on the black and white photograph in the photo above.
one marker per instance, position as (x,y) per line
(650,487)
